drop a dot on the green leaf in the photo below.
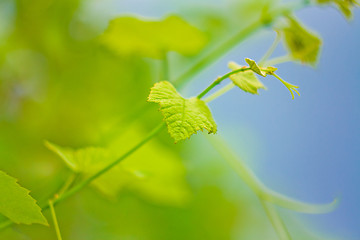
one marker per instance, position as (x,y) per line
(84,160)
(345,6)
(184,117)
(253,65)
(246,80)
(131,35)
(302,44)
(160,173)
(139,173)
(17,204)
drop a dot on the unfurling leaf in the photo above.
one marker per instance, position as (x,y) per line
(17,204)
(302,44)
(246,80)
(345,6)
(270,70)
(253,65)
(184,117)
(134,36)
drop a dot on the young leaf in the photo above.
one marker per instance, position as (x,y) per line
(184,117)
(345,6)
(302,44)
(17,204)
(253,65)
(131,35)
(246,80)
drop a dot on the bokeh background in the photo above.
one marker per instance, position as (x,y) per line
(58,83)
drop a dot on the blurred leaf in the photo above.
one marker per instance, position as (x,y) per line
(160,174)
(85,160)
(131,35)
(246,80)
(250,11)
(154,171)
(184,117)
(302,44)
(345,6)
(17,204)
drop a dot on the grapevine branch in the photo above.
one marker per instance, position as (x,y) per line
(154,132)
(200,65)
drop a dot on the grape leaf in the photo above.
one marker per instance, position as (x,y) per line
(253,65)
(159,170)
(246,80)
(130,35)
(302,44)
(154,172)
(17,204)
(184,117)
(84,160)
(345,6)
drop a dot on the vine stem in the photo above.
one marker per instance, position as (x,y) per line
(67,184)
(261,190)
(271,49)
(218,52)
(278,60)
(251,180)
(276,221)
(220,79)
(56,224)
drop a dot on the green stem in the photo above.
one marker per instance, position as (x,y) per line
(261,190)
(276,221)
(265,194)
(219,51)
(220,79)
(271,49)
(56,224)
(220,92)
(277,60)
(67,184)
(252,181)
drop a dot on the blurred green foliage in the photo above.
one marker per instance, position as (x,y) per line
(59,84)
